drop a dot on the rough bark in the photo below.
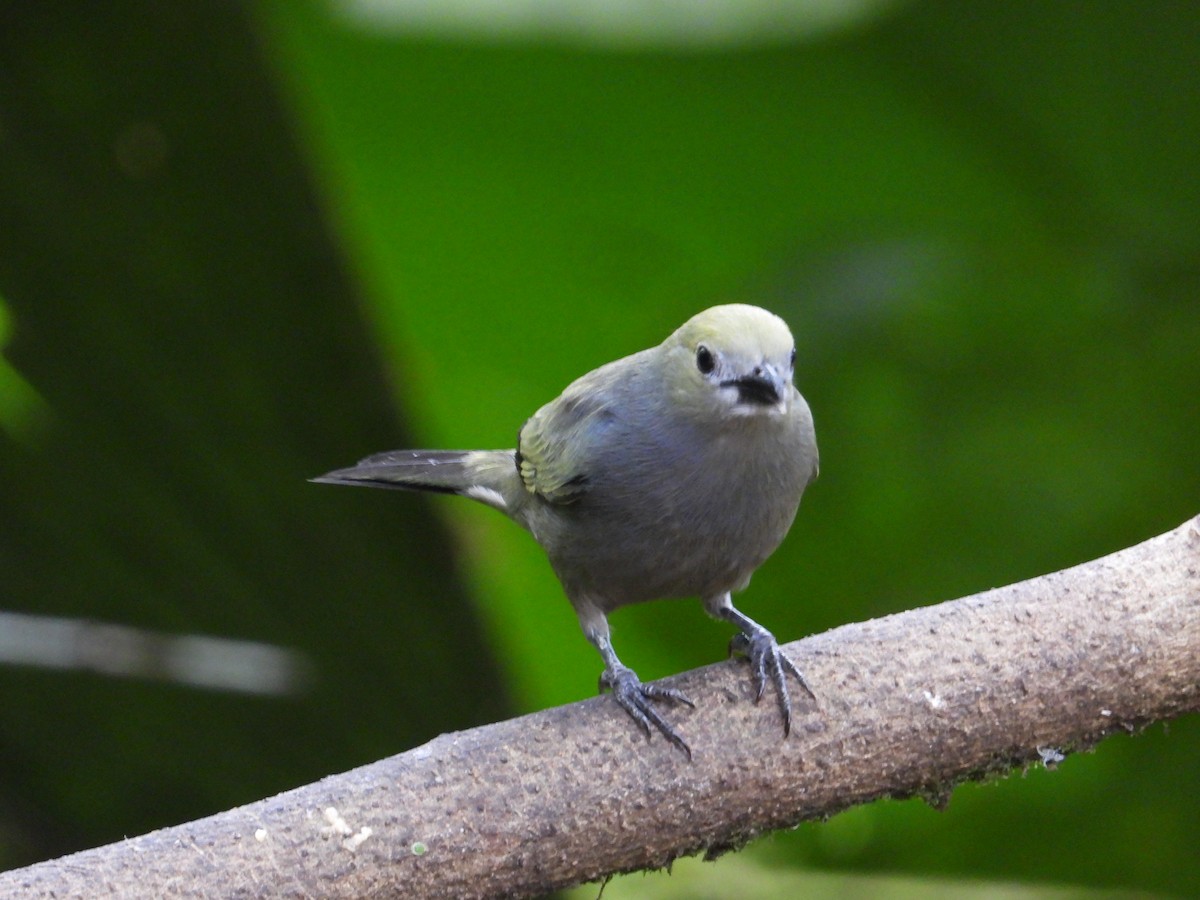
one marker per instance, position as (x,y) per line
(911,703)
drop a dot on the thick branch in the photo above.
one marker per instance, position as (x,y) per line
(913,702)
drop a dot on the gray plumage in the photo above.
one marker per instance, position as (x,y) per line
(674,472)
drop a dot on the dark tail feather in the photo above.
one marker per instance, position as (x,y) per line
(443,471)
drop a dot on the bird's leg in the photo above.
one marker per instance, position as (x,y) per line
(762,650)
(634,696)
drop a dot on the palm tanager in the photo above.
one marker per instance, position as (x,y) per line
(674,472)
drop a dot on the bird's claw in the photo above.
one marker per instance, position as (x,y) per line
(768,661)
(633,695)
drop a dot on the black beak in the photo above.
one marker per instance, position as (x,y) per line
(756,390)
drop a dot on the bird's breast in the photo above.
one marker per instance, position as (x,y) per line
(688,518)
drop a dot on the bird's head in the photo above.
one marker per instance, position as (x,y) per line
(733,360)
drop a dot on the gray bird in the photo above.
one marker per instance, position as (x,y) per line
(674,472)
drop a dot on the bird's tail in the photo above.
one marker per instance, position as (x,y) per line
(483,475)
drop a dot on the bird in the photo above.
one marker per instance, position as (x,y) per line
(673,472)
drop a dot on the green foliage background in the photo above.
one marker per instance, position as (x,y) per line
(240,246)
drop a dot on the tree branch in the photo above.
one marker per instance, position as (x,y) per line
(911,703)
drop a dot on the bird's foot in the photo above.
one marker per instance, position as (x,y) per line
(768,661)
(634,697)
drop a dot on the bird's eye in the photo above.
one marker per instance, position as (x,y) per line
(704,360)
(792,360)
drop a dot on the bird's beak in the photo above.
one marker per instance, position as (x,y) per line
(760,388)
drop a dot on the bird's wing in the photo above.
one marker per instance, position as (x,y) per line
(556,444)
